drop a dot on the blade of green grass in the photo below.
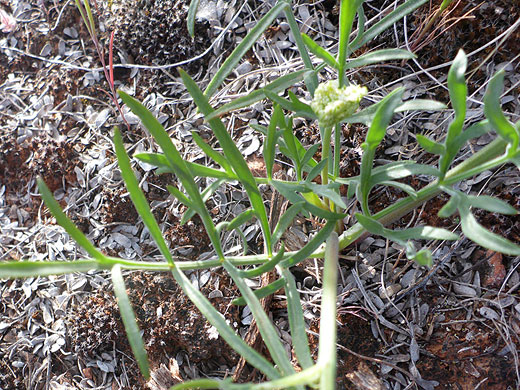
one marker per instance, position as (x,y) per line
(235,158)
(192,11)
(394,16)
(132,329)
(265,326)
(27,269)
(243,47)
(379,56)
(66,223)
(225,331)
(300,341)
(176,163)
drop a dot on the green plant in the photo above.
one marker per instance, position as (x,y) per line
(333,104)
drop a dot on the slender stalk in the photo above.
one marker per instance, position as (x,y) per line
(327,344)
(325,154)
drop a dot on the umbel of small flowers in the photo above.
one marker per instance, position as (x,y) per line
(332,103)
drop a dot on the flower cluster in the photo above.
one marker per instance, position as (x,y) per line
(332,103)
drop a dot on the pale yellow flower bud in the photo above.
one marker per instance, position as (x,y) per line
(332,104)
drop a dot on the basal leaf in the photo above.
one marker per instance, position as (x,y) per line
(320,52)
(127,315)
(297,325)
(224,329)
(271,140)
(286,220)
(394,16)
(402,186)
(477,233)
(266,267)
(347,13)
(243,47)
(491,204)
(192,11)
(235,158)
(206,194)
(430,146)
(219,158)
(449,208)
(311,246)
(458,92)
(141,204)
(494,113)
(278,85)
(66,223)
(378,56)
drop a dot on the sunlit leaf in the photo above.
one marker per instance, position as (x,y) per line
(192,11)
(378,56)
(27,269)
(242,48)
(297,326)
(491,204)
(66,223)
(127,315)
(320,52)
(494,113)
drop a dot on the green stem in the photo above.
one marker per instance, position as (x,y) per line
(337,150)
(325,154)
(327,343)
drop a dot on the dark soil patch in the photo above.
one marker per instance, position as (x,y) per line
(461,353)
(20,165)
(355,334)
(171,324)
